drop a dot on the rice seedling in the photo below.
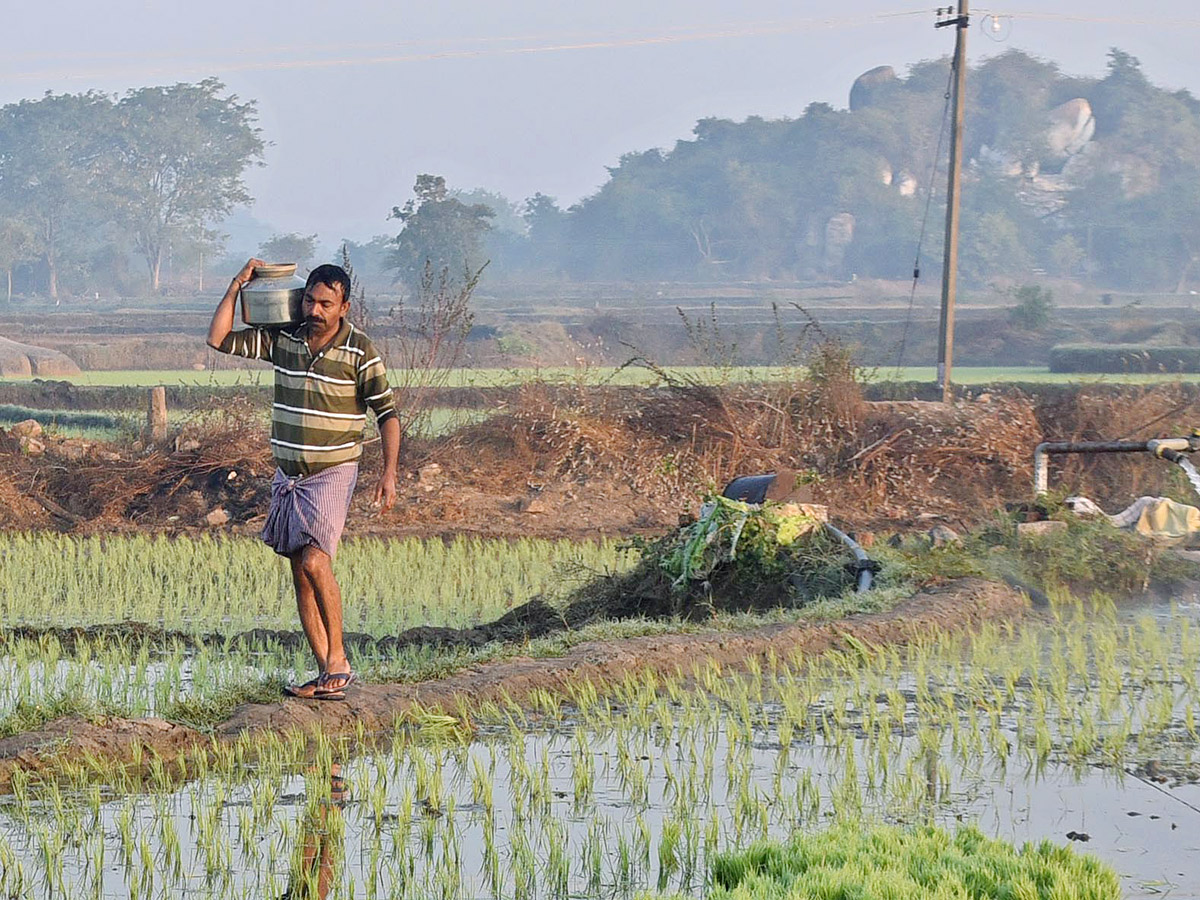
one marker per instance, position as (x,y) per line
(201,584)
(190,586)
(600,795)
(876,861)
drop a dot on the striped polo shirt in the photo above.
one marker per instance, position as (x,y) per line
(321,401)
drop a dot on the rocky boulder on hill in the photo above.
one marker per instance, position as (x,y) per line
(18,359)
(869,85)
(1072,125)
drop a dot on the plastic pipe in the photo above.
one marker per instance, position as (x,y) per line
(1043,451)
(1158,447)
(1170,454)
(1164,446)
(866,566)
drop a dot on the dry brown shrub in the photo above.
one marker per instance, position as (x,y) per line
(831,394)
(18,486)
(657,441)
(874,463)
(953,461)
(106,490)
(873,459)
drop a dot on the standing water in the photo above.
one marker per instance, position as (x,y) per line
(1192,474)
(1082,730)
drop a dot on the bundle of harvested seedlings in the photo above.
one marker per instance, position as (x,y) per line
(734,557)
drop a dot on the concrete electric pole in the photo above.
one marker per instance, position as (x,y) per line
(960,23)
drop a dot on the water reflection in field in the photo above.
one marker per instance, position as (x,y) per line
(1079,727)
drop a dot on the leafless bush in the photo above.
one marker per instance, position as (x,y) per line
(1119,412)
(710,346)
(428,340)
(832,393)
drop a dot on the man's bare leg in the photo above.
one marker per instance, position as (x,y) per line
(310,615)
(316,565)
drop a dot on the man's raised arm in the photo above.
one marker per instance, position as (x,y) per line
(222,320)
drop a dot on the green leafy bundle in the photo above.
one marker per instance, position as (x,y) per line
(753,548)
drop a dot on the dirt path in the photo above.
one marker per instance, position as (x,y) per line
(960,605)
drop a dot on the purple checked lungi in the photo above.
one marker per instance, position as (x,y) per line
(309,509)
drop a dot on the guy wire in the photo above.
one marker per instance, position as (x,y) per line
(937,155)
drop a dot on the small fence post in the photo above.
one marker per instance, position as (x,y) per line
(156,415)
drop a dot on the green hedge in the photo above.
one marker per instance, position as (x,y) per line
(10,413)
(1121,358)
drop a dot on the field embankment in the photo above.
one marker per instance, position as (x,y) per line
(375,708)
(555,460)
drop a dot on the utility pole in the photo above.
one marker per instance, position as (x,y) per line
(960,23)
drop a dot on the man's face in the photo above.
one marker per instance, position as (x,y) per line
(323,307)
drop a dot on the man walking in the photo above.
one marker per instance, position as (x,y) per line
(327,373)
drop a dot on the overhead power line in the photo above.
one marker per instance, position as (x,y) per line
(375,54)
(1041,15)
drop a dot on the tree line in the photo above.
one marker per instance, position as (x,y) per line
(839,193)
(1107,191)
(89,181)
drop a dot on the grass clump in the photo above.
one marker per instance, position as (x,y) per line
(31,715)
(1089,555)
(205,711)
(924,863)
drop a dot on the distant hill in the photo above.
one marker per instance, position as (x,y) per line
(1096,178)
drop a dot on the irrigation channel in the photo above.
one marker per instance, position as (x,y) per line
(1079,725)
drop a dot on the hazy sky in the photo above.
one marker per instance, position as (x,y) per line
(357,98)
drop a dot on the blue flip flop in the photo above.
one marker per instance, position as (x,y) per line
(323,690)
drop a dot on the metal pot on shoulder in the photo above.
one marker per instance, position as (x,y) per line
(274,296)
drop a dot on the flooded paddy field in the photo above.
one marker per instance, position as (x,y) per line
(1078,728)
(229,585)
(185,628)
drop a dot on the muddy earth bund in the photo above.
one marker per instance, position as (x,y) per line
(956,606)
(562,462)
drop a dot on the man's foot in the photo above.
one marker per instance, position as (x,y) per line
(332,685)
(304,691)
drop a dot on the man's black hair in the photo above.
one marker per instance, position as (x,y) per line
(332,277)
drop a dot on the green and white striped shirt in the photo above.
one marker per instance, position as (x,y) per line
(321,401)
